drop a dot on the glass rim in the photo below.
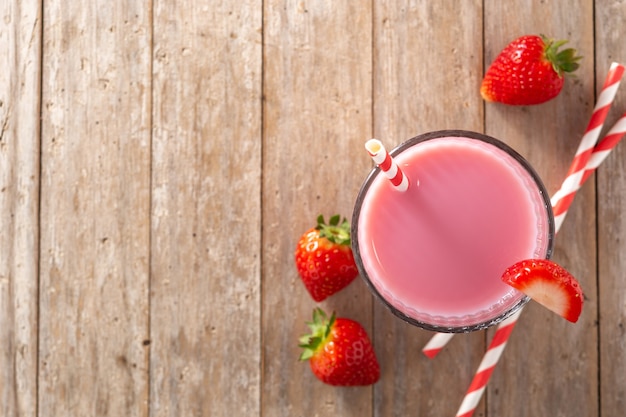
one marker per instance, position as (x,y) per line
(377,171)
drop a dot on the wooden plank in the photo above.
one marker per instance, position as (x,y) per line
(221,340)
(317,116)
(20,47)
(427,68)
(611,180)
(95,201)
(206,209)
(546,353)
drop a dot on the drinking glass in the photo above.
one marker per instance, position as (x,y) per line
(434,254)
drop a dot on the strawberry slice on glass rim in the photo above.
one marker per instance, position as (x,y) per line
(549,284)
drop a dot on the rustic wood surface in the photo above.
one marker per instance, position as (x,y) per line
(159,159)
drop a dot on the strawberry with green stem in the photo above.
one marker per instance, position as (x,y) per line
(339,351)
(529,70)
(324,258)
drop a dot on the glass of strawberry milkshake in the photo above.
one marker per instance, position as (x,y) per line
(434,253)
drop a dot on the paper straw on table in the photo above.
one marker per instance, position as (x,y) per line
(436,343)
(587,144)
(604,147)
(577,170)
(503,331)
(488,364)
(563,198)
(603,104)
(387,165)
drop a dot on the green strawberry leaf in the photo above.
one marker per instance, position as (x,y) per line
(320,328)
(335,231)
(562,61)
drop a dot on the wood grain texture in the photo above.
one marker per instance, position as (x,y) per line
(317,117)
(206,179)
(547,136)
(427,69)
(20,47)
(159,160)
(611,183)
(95,201)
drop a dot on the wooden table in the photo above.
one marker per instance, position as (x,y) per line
(159,159)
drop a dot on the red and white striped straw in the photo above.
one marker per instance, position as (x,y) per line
(604,147)
(578,172)
(436,343)
(387,165)
(488,364)
(563,198)
(588,142)
(603,104)
(503,331)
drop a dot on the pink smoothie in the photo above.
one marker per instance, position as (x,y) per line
(437,251)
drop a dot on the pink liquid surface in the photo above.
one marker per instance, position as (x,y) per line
(437,251)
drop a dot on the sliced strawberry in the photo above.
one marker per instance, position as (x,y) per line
(549,284)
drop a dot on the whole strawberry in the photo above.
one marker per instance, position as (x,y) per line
(324,258)
(528,71)
(339,351)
